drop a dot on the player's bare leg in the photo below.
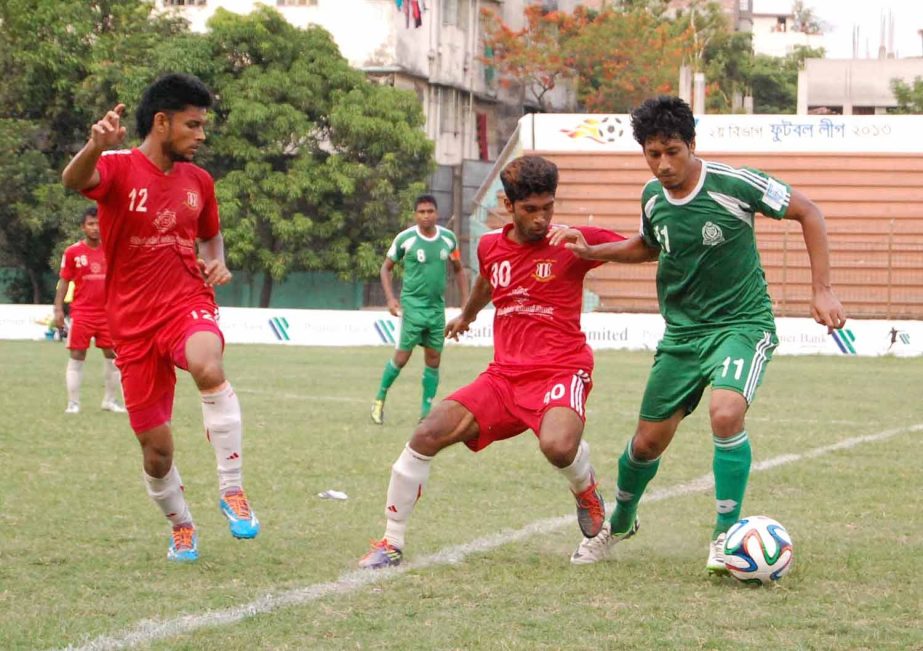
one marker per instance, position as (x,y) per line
(447,424)
(224,429)
(165,487)
(560,440)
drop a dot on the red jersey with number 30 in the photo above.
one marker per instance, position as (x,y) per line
(86,267)
(538,295)
(149,222)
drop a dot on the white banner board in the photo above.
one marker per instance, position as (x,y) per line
(604,330)
(568,132)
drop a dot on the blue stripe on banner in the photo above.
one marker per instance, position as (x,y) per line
(275,330)
(380,331)
(839,343)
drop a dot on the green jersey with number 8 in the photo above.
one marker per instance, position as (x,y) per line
(424,259)
(709,272)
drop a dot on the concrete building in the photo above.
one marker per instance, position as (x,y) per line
(468,115)
(853,86)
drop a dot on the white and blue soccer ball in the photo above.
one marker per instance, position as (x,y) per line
(758,549)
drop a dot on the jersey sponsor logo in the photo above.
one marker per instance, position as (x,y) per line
(711,234)
(192,199)
(543,271)
(165,221)
(776,194)
(96,268)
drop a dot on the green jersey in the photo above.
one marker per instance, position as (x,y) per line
(424,261)
(709,272)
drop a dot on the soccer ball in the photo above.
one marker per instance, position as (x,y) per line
(758,550)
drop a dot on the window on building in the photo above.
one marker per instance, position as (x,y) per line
(296,3)
(184,3)
(449,111)
(450,12)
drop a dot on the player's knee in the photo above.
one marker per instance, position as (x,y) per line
(207,373)
(559,451)
(645,448)
(726,420)
(158,459)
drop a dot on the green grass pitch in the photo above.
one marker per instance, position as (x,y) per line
(83,550)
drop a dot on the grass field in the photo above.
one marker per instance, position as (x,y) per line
(82,549)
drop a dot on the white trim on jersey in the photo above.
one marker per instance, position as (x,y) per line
(449,242)
(116,152)
(423,237)
(409,243)
(695,191)
(733,205)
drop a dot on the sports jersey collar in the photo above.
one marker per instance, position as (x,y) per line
(695,191)
(506,235)
(150,164)
(428,239)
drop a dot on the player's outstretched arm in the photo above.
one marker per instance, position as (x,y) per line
(632,250)
(477,300)
(825,306)
(81,173)
(211,261)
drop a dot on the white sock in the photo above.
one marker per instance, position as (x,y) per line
(73,378)
(408,477)
(579,474)
(167,493)
(224,428)
(113,380)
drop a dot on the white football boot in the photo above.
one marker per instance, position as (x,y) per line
(595,549)
(715,563)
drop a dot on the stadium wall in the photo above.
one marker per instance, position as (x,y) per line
(865,173)
(604,330)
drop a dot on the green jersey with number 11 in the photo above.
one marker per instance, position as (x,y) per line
(424,261)
(709,272)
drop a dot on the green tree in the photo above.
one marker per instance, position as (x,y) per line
(909,96)
(63,61)
(317,166)
(774,80)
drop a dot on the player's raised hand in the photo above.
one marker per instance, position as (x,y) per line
(827,310)
(109,132)
(455,327)
(571,238)
(215,272)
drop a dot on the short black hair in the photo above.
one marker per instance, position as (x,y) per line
(529,175)
(169,93)
(425,198)
(89,212)
(663,117)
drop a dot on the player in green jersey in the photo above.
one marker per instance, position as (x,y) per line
(423,249)
(697,221)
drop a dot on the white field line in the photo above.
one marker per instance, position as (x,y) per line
(148,631)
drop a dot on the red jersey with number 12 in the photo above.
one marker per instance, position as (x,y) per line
(537,292)
(86,267)
(149,222)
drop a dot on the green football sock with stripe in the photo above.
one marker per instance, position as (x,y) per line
(387,379)
(634,476)
(731,466)
(430,384)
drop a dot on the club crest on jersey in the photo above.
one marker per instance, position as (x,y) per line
(443,254)
(543,271)
(96,268)
(192,199)
(165,221)
(711,234)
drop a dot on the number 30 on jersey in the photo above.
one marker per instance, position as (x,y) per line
(500,273)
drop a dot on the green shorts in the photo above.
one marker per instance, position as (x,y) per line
(731,358)
(425,329)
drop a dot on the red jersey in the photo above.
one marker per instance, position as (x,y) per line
(149,222)
(86,267)
(538,295)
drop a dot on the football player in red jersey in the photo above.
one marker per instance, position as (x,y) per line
(84,264)
(165,253)
(541,374)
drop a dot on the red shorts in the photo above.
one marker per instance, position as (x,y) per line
(147,365)
(83,328)
(505,405)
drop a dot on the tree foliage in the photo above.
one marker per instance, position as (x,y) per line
(909,96)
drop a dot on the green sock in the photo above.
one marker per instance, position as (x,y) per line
(633,478)
(387,379)
(731,466)
(430,384)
